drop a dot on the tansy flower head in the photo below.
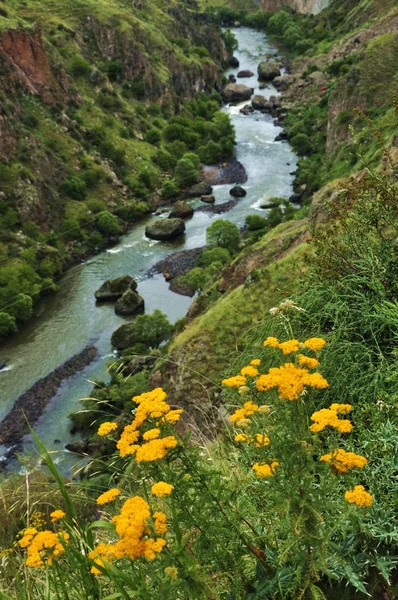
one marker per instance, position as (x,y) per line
(306,361)
(264,470)
(329,418)
(236,381)
(255,362)
(106,428)
(359,496)
(250,371)
(161,489)
(273,342)
(248,409)
(108,496)
(56,515)
(342,409)
(315,344)
(342,461)
(289,346)
(171,572)
(152,434)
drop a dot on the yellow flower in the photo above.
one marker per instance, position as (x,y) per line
(161,489)
(290,381)
(315,344)
(174,415)
(160,522)
(152,434)
(171,572)
(306,361)
(108,496)
(342,409)
(43,547)
(264,409)
(265,470)
(255,362)
(56,515)
(106,428)
(242,437)
(262,440)
(272,342)
(359,496)
(342,461)
(326,417)
(249,408)
(155,449)
(289,346)
(236,381)
(250,371)
(243,390)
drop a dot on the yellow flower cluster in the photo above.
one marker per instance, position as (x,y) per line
(306,361)
(237,381)
(108,496)
(289,346)
(264,470)
(171,572)
(290,381)
(272,342)
(42,546)
(106,428)
(315,344)
(151,405)
(260,439)
(249,371)
(359,496)
(161,489)
(255,362)
(328,417)
(132,527)
(248,409)
(56,515)
(342,461)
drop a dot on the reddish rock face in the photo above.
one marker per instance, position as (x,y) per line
(28,63)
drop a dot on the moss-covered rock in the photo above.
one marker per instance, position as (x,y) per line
(165,229)
(113,289)
(129,304)
(181,210)
(200,189)
(236,92)
(124,337)
(268,70)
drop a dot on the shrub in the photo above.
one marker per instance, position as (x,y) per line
(153,329)
(186,173)
(256,222)
(211,153)
(79,66)
(148,177)
(108,224)
(7,324)
(153,136)
(96,206)
(169,189)
(224,234)
(21,309)
(165,160)
(301,144)
(212,255)
(93,176)
(74,187)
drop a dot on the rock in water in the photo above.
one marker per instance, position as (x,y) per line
(238,192)
(200,189)
(261,103)
(129,304)
(181,210)
(112,289)
(209,199)
(165,229)
(236,92)
(245,73)
(233,62)
(123,337)
(267,71)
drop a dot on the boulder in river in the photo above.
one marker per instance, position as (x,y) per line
(261,103)
(268,205)
(181,210)
(268,70)
(124,336)
(236,92)
(282,136)
(2,365)
(113,289)
(245,73)
(129,304)
(238,191)
(232,79)
(165,229)
(233,62)
(200,189)
(209,199)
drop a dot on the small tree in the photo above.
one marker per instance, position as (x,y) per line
(224,234)
(7,324)
(186,173)
(151,330)
(108,224)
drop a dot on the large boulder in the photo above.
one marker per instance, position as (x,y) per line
(236,92)
(200,189)
(129,304)
(165,229)
(181,210)
(233,62)
(261,103)
(238,191)
(113,289)
(208,199)
(124,337)
(137,363)
(245,73)
(268,70)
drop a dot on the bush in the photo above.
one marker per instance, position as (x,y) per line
(96,206)
(21,309)
(165,160)
(7,324)
(301,144)
(186,173)
(153,329)
(153,136)
(79,66)
(93,176)
(108,224)
(256,222)
(224,234)
(75,188)
(214,255)
(211,153)
(169,189)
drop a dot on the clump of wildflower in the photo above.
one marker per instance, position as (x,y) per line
(359,496)
(341,409)
(264,409)
(106,428)
(56,515)
(42,546)
(248,409)
(289,346)
(328,417)
(160,522)
(171,572)
(272,342)
(255,362)
(260,439)
(315,344)
(290,381)
(236,381)
(161,489)
(264,469)
(306,361)
(152,434)
(101,551)
(243,390)
(108,496)
(342,461)
(249,371)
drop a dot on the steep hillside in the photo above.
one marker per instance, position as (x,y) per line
(85,92)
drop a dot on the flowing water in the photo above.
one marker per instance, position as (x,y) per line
(66,322)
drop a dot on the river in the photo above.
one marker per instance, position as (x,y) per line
(65,322)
